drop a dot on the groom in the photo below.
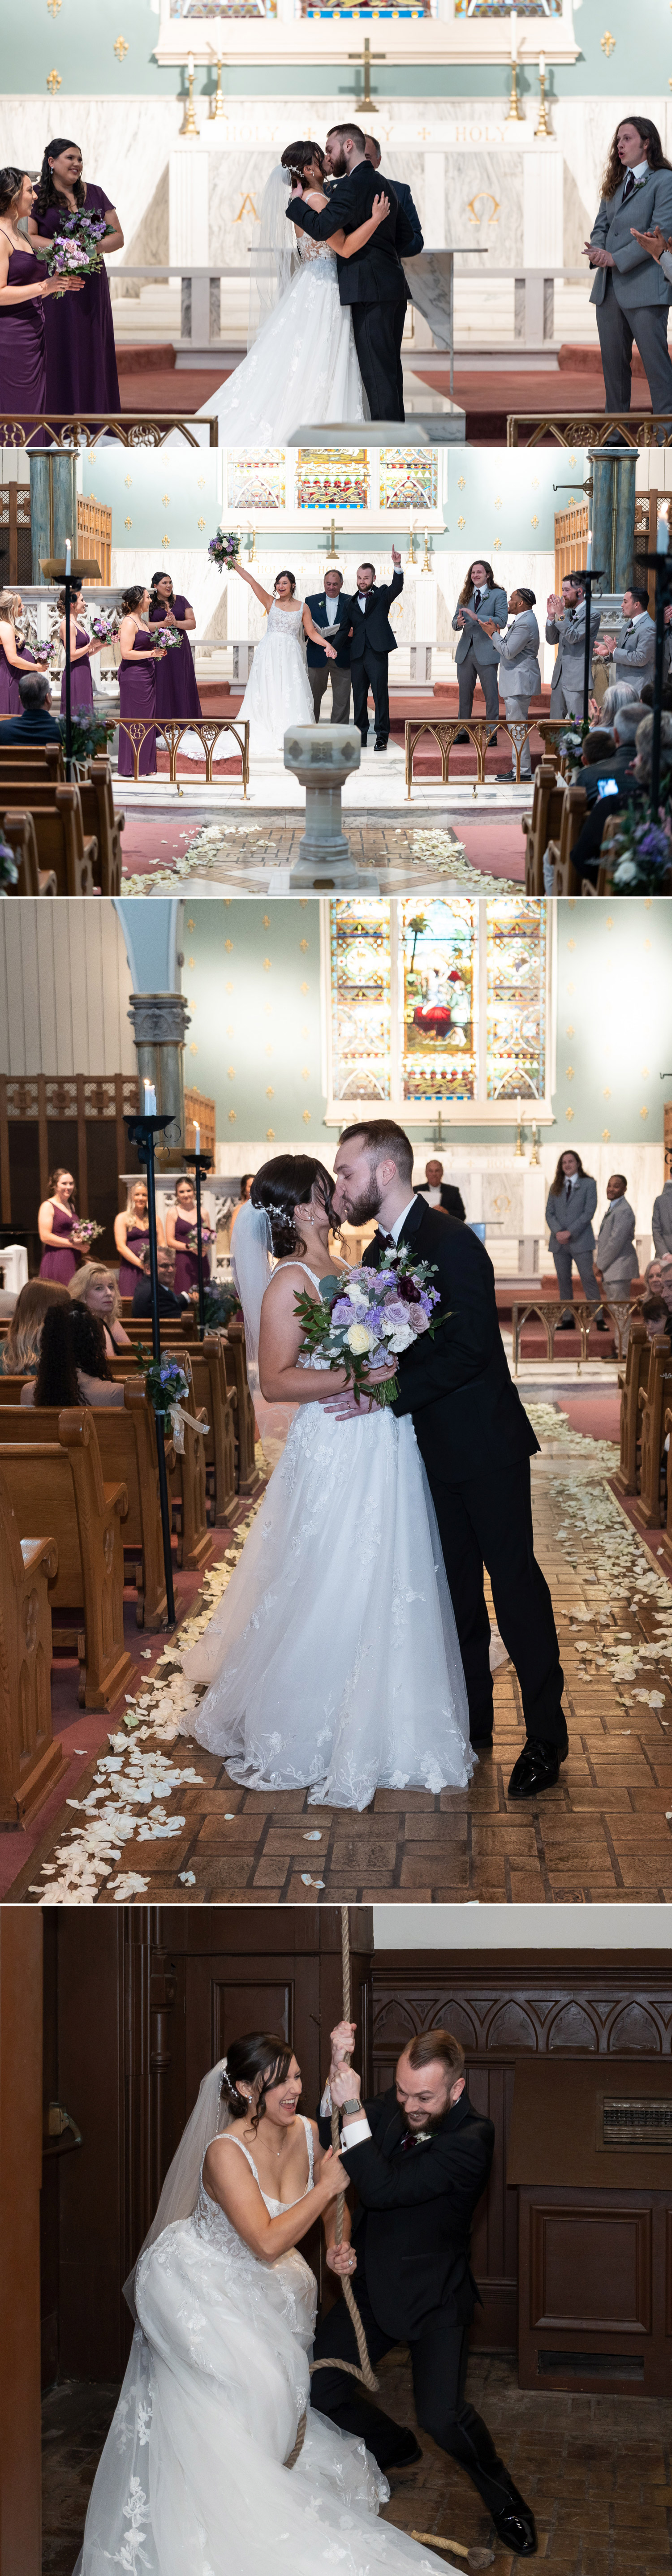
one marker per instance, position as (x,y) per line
(373,281)
(420,2156)
(476,1443)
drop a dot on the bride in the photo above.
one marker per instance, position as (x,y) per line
(278,691)
(332,1661)
(303,363)
(192,2480)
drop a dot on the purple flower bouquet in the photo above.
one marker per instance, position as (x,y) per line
(364,1319)
(224,548)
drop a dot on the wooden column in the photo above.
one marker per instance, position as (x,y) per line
(83,1175)
(123,1148)
(5,1189)
(20,2178)
(43,1133)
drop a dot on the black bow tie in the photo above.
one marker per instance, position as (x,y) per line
(384,1239)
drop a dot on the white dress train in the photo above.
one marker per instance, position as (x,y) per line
(278,692)
(332,1662)
(303,365)
(192,2479)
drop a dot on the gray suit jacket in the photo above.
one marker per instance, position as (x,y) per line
(636,278)
(635,649)
(569,633)
(661,1221)
(616,1256)
(575,1214)
(494,603)
(519,673)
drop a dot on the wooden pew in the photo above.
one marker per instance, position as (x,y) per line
(186,1472)
(18,830)
(99,820)
(39,759)
(653,1402)
(634,1380)
(211,1394)
(31,1759)
(59,1482)
(566,879)
(180,1328)
(542,821)
(59,831)
(667,1541)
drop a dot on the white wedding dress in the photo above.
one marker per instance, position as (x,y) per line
(278,691)
(303,365)
(192,2479)
(332,1662)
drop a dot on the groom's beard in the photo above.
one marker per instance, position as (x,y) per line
(338,167)
(359,1210)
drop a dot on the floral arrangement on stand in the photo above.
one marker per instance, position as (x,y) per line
(222,1302)
(9,874)
(360,1322)
(643,862)
(90,735)
(224,548)
(165,1382)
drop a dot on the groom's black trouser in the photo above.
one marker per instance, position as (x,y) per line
(378,330)
(439,2355)
(489,1522)
(371,670)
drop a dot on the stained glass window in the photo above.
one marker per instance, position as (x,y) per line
(332,478)
(504,8)
(257,479)
(438,1001)
(408,478)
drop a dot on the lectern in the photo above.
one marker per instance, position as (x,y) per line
(590,2151)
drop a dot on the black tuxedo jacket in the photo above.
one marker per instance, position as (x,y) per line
(372,626)
(374,275)
(452,1201)
(467,1415)
(337,634)
(412,2227)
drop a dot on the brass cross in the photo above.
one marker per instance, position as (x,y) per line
(331,548)
(367,58)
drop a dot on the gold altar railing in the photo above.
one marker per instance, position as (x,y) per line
(550,1310)
(172,729)
(131,428)
(444,731)
(588,428)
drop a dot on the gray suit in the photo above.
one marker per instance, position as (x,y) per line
(574,1213)
(632,297)
(569,633)
(661,1221)
(478,654)
(519,673)
(616,1256)
(635,649)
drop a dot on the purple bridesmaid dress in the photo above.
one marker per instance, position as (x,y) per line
(186,1263)
(137,697)
(60,1263)
(137,1236)
(81,683)
(176,691)
(81,363)
(23,372)
(10,702)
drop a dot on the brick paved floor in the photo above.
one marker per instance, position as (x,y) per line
(398,854)
(602,1835)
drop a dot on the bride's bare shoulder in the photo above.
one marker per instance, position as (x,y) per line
(314,197)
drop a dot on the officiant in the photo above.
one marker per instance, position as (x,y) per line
(331,609)
(420,2157)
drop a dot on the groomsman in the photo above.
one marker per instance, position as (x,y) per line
(633,649)
(615,1260)
(402,194)
(481,611)
(519,673)
(371,643)
(566,627)
(632,292)
(332,608)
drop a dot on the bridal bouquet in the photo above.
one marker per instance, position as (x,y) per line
(361,1321)
(224,549)
(76,249)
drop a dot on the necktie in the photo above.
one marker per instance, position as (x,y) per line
(477,600)
(568,1189)
(629,185)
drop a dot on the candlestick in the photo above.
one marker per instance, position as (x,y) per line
(514,114)
(218,110)
(663,529)
(150,1099)
(542,125)
(589,556)
(189,125)
(197,1136)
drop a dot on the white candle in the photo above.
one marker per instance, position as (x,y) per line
(663,529)
(190,66)
(514,36)
(150,1099)
(197,1133)
(68,558)
(589,556)
(542,66)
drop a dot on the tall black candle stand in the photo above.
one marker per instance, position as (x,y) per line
(142,1132)
(662,566)
(199,1163)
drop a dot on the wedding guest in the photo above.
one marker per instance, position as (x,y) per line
(402,194)
(661,1221)
(73,1367)
(82,647)
(615,1260)
(96,1288)
(25,290)
(631,292)
(571,1203)
(656,1305)
(36,722)
(169,1303)
(58,1229)
(176,691)
(622,693)
(80,354)
(14,657)
(519,673)
(440,1193)
(331,607)
(20,1353)
(180,1226)
(477,652)
(137,682)
(633,647)
(131,1235)
(623,768)
(566,627)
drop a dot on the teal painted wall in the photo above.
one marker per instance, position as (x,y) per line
(169,496)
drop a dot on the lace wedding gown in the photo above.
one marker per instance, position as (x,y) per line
(302,366)
(332,1661)
(192,2479)
(278,691)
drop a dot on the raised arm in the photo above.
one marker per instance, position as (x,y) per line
(266,596)
(229,2181)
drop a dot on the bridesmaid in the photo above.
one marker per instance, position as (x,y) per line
(81,649)
(80,353)
(24,291)
(11,660)
(176,691)
(131,1234)
(178,1229)
(137,682)
(58,1230)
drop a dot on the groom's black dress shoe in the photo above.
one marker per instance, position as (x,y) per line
(537,1767)
(380,746)
(408,2454)
(516,2526)
(481,1743)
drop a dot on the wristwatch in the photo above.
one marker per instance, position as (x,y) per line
(350,2110)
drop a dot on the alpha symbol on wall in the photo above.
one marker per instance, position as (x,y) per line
(478,208)
(247,206)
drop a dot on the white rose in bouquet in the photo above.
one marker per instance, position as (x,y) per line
(359,1339)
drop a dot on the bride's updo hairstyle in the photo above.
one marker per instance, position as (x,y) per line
(299,157)
(261,2053)
(283,1185)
